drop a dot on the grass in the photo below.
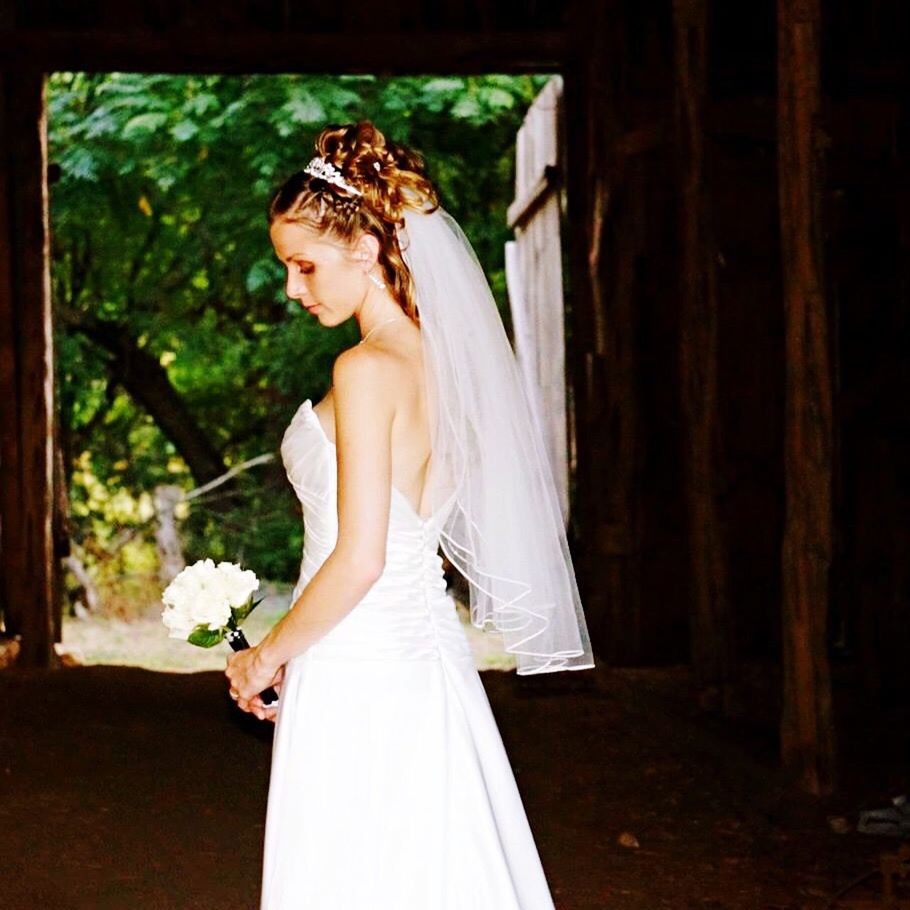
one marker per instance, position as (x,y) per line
(143,642)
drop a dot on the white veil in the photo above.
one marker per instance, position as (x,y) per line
(505,531)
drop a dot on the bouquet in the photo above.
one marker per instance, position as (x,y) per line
(205,604)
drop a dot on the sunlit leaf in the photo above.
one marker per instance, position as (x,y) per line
(144,123)
(184,130)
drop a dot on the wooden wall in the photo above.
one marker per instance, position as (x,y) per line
(737,311)
(623,333)
(742,315)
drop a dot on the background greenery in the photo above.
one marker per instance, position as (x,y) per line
(178,355)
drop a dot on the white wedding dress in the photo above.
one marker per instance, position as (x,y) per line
(390,785)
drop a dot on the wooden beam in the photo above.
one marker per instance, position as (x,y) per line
(286,52)
(807,730)
(711,630)
(521,210)
(26,375)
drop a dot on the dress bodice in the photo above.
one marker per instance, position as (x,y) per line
(407,612)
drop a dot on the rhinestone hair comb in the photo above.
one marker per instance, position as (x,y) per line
(327,171)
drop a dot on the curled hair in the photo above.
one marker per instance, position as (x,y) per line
(392,178)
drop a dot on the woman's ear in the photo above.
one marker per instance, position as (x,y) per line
(366,250)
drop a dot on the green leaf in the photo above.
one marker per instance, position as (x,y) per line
(498,98)
(101,122)
(446,84)
(260,275)
(144,123)
(205,637)
(466,108)
(184,130)
(202,103)
(80,163)
(304,108)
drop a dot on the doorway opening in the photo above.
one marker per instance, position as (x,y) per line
(179,360)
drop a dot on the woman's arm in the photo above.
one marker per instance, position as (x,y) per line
(364,411)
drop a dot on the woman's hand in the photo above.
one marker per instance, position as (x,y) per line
(248,675)
(263,711)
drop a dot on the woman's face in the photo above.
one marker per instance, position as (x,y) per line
(322,272)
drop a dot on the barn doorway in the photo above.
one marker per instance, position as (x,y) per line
(168,302)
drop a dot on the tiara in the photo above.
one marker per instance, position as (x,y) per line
(327,171)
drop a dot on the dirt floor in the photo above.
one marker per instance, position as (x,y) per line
(124,788)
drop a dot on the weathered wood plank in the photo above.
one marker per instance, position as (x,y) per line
(711,630)
(524,207)
(807,730)
(535,281)
(10,455)
(605,201)
(582,313)
(26,379)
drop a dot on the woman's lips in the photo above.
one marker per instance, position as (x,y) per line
(310,309)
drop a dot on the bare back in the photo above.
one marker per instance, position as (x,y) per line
(410,426)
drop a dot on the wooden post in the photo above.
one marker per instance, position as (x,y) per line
(581,317)
(807,732)
(26,371)
(712,632)
(167,535)
(604,206)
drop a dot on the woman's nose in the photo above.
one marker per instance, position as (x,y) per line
(295,288)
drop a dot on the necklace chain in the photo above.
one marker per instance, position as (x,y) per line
(392,319)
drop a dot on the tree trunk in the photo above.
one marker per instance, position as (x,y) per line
(90,593)
(147,383)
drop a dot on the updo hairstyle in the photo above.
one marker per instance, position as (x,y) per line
(392,178)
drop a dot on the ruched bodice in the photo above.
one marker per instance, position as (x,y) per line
(407,613)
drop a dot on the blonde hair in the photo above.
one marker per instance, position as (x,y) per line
(392,178)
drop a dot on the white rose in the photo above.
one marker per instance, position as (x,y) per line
(178,622)
(203,594)
(198,595)
(241,583)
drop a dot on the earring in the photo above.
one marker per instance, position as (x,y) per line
(380,284)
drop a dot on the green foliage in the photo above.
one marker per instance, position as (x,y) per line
(158,219)
(205,637)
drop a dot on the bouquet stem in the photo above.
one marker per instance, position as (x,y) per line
(237,640)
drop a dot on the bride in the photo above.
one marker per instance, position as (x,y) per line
(390,786)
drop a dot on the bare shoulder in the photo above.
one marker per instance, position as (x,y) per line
(364,383)
(362,368)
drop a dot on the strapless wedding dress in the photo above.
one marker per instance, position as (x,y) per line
(390,785)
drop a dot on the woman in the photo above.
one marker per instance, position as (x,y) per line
(390,786)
